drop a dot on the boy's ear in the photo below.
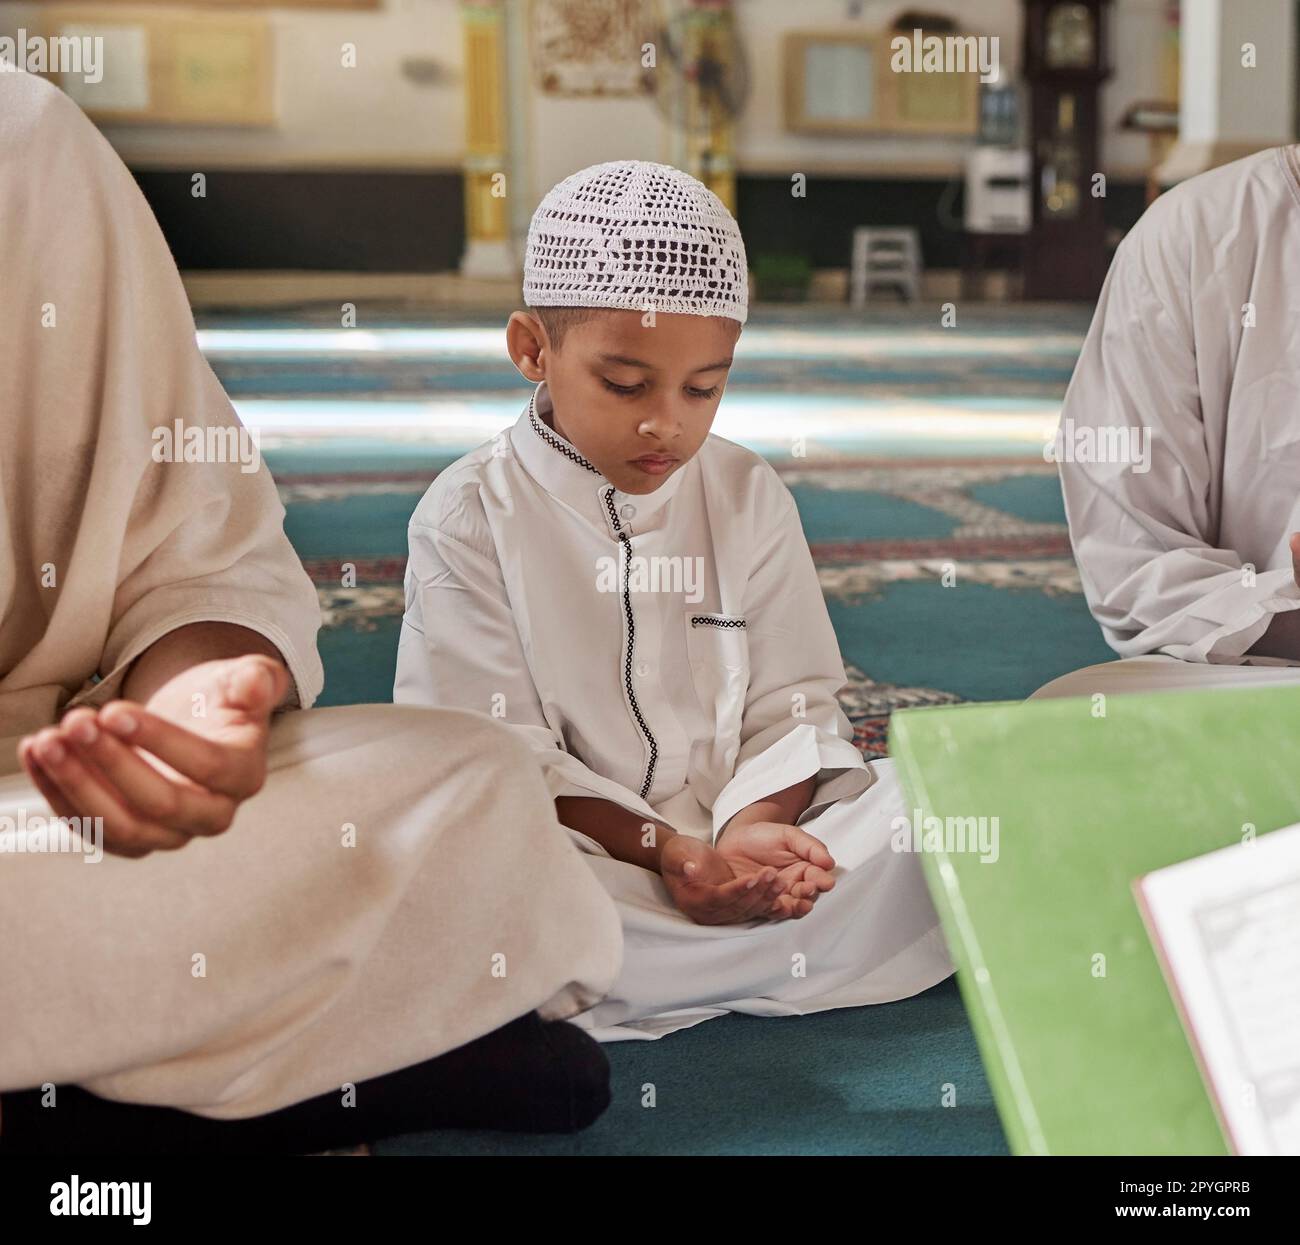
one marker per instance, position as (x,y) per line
(526,341)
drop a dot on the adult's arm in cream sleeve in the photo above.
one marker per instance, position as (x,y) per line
(1143,522)
(142,496)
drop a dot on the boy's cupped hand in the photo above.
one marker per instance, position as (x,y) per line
(761,871)
(802,862)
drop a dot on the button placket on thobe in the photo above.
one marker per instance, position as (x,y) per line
(648,700)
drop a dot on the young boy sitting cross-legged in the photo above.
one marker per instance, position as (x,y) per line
(636,599)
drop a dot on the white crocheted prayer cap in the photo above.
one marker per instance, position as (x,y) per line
(637,236)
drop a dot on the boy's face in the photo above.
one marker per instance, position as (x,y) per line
(636,401)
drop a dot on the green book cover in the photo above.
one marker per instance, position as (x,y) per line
(1078,1032)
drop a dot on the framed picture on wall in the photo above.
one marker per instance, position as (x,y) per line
(242,4)
(161,67)
(842,82)
(832,82)
(587,47)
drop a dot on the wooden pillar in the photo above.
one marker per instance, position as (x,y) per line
(488,250)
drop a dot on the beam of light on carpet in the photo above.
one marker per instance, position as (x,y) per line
(827,424)
(756,343)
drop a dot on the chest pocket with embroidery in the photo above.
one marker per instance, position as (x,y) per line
(718,648)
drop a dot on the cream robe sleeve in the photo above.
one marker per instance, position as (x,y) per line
(460,648)
(108,549)
(1144,541)
(793,726)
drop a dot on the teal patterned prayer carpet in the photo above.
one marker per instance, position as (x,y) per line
(915,455)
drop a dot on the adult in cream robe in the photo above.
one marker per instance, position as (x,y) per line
(1193,356)
(273,962)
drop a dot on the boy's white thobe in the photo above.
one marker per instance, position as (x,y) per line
(347,923)
(670,652)
(1194,344)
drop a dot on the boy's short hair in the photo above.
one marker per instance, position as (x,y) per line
(557,321)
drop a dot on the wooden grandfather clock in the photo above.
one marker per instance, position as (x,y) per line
(1067,58)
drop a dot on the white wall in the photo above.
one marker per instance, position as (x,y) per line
(373,116)
(370,115)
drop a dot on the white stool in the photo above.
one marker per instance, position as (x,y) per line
(889,257)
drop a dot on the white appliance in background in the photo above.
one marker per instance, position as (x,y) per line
(997,190)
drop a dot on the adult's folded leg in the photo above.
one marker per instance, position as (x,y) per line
(531,1075)
(398,888)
